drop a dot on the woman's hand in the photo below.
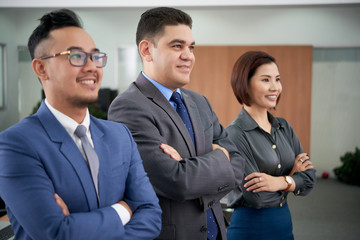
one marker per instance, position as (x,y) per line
(258,182)
(302,163)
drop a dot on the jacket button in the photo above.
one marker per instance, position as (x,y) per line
(203,229)
(222,187)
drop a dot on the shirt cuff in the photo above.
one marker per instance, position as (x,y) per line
(122,212)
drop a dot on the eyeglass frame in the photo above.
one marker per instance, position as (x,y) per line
(68,52)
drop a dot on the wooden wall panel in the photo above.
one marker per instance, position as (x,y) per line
(211,77)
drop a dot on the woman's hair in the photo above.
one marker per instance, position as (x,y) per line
(243,70)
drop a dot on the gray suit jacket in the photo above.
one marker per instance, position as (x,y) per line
(186,189)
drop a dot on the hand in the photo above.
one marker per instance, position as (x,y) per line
(126,206)
(216,146)
(169,150)
(302,163)
(258,182)
(62,205)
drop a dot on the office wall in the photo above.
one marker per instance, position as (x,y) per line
(111,28)
(10,114)
(335,104)
(212,72)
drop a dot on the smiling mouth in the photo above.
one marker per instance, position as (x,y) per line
(87,80)
(184,68)
(272,97)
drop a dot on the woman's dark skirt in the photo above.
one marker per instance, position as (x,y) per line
(265,224)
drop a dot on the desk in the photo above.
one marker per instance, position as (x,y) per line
(6,231)
(4,218)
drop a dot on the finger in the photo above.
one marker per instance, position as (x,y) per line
(167,151)
(254,187)
(58,199)
(307,162)
(62,205)
(175,156)
(252,175)
(251,187)
(65,211)
(308,166)
(164,146)
(302,156)
(260,189)
(252,182)
(215,146)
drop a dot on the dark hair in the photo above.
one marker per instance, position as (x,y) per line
(51,21)
(244,69)
(153,22)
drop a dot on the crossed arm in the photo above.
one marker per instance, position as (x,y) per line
(258,182)
(66,212)
(169,150)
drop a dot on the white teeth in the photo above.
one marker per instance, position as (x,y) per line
(273,97)
(88,81)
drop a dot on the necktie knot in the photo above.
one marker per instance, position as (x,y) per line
(80,131)
(176,98)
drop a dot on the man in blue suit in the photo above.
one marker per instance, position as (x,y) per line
(45,181)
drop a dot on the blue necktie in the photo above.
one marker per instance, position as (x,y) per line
(212,229)
(91,156)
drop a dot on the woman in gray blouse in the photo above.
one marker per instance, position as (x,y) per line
(275,161)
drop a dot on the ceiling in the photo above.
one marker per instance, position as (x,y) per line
(153,3)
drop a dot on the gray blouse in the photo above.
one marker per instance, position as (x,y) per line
(273,154)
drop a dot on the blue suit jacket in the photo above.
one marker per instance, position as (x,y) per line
(39,158)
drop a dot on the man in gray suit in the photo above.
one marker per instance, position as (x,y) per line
(192,165)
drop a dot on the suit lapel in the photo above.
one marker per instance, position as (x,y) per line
(151,92)
(70,151)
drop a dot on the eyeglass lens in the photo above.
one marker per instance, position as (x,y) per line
(79,58)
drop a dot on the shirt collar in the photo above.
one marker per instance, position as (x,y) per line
(247,123)
(68,123)
(164,90)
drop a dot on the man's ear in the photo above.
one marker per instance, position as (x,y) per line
(39,69)
(145,50)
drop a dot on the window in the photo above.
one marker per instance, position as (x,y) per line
(2,75)
(128,66)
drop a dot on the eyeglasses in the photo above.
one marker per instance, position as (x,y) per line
(78,58)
